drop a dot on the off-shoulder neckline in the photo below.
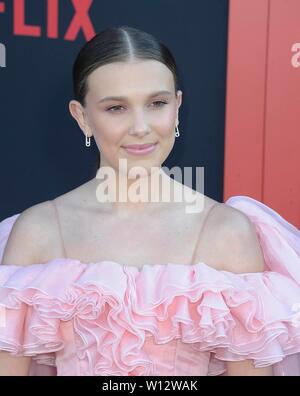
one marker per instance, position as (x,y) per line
(134,269)
(141,269)
(129,267)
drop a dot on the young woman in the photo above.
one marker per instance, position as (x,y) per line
(95,286)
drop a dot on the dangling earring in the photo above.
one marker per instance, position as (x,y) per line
(87,141)
(177,134)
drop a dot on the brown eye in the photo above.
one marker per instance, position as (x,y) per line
(114,107)
(157,103)
(160,102)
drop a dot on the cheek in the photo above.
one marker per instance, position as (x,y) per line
(101,122)
(110,137)
(107,129)
(164,123)
(110,129)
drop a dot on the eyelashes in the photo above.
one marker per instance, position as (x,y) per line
(115,109)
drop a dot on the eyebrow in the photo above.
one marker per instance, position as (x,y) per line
(106,98)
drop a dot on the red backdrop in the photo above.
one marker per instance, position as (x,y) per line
(262,132)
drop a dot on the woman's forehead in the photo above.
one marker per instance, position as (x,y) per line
(121,76)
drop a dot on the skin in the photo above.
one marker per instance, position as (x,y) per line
(138,119)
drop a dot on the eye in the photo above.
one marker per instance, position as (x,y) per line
(160,102)
(157,103)
(113,108)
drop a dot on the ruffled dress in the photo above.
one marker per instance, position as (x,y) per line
(104,318)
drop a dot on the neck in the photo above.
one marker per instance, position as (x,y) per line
(121,194)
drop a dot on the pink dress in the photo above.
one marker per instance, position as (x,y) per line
(106,319)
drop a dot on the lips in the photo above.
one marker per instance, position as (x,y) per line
(139,146)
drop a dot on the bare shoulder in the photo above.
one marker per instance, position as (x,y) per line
(34,237)
(229,241)
(30,234)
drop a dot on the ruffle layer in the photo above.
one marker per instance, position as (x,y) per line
(114,308)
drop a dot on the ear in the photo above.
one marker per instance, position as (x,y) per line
(179,101)
(78,113)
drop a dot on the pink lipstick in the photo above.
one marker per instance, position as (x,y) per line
(140,149)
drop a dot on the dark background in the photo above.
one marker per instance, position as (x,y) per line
(43,153)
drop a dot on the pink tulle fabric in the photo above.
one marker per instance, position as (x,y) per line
(105,318)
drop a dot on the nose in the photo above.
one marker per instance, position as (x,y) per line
(139,125)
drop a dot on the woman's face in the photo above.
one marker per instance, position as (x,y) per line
(141,116)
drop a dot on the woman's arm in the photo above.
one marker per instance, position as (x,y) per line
(246,368)
(22,248)
(239,251)
(14,366)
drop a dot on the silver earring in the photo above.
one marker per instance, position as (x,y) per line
(87,141)
(177,134)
